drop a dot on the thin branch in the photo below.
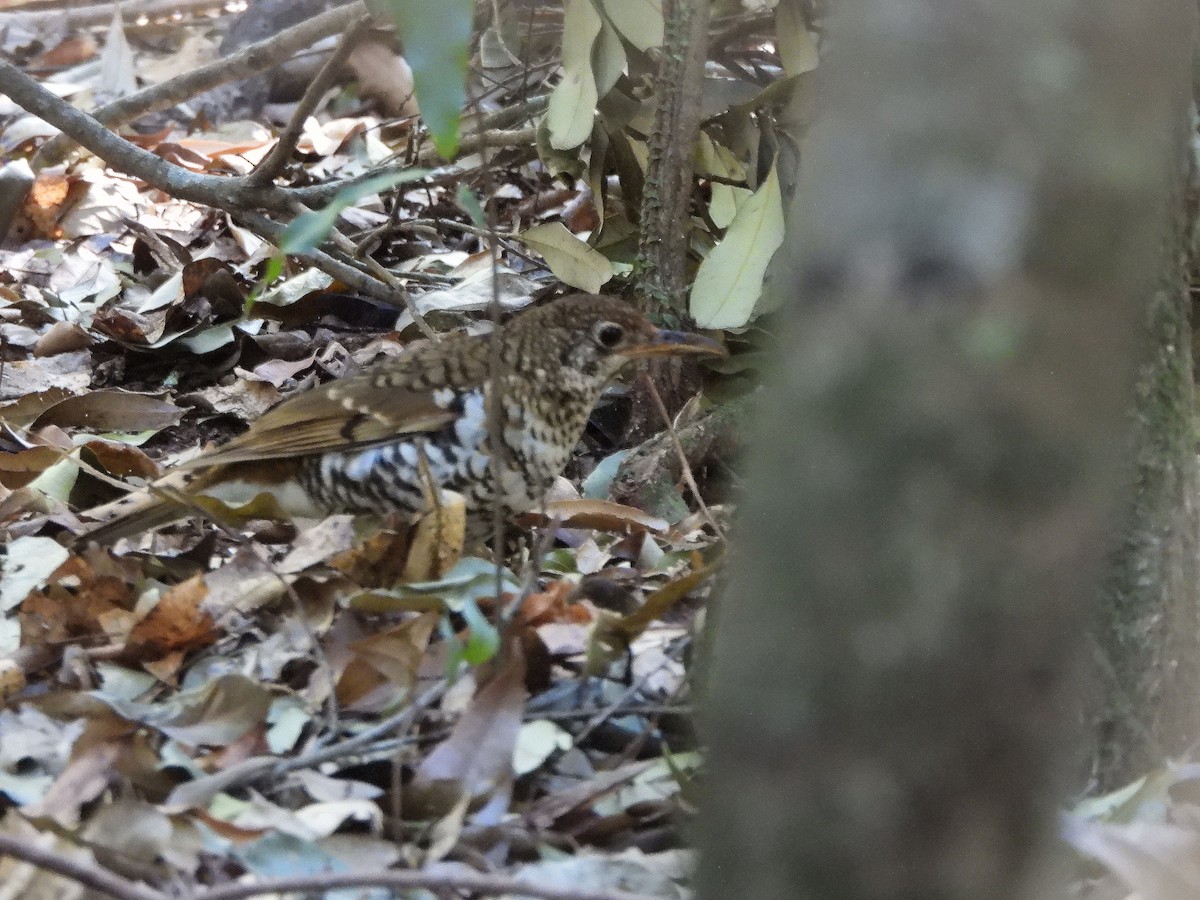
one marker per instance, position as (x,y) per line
(87,874)
(273,163)
(250,60)
(368,267)
(222,192)
(237,195)
(349,275)
(686,469)
(478,884)
(101,880)
(477,141)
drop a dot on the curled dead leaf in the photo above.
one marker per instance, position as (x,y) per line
(178,622)
(437,539)
(598,515)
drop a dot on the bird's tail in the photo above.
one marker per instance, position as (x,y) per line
(142,510)
(130,515)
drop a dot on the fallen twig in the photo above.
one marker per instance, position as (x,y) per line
(479,884)
(251,60)
(88,874)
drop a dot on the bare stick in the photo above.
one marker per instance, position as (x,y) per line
(273,163)
(220,191)
(479,884)
(349,275)
(87,874)
(251,60)
(686,467)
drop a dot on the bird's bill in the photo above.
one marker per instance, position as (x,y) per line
(674,343)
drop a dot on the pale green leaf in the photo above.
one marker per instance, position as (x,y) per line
(797,46)
(639,21)
(572,260)
(437,40)
(729,282)
(57,481)
(609,59)
(573,102)
(715,159)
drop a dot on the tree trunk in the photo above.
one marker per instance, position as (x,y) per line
(893,688)
(1148,640)
(663,220)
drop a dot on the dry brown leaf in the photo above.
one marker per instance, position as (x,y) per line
(12,679)
(129,328)
(68,52)
(597,515)
(476,760)
(178,622)
(376,562)
(89,772)
(75,603)
(122,460)
(390,658)
(25,409)
(20,468)
(51,195)
(166,668)
(62,337)
(436,541)
(213,150)
(552,605)
(385,77)
(111,410)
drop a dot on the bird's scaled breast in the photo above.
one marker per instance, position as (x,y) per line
(398,476)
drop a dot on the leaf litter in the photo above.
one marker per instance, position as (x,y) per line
(268,699)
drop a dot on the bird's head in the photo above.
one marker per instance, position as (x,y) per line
(596,335)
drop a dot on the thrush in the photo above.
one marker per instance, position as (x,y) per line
(431,419)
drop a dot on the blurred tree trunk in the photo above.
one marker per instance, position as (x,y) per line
(1148,641)
(893,685)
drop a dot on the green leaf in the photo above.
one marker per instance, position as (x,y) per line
(470,202)
(716,159)
(729,281)
(797,46)
(596,485)
(437,42)
(573,102)
(484,639)
(308,230)
(639,21)
(609,59)
(572,260)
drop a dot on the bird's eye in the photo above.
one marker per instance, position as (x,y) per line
(609,334)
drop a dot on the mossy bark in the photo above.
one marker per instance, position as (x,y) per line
(1148,639)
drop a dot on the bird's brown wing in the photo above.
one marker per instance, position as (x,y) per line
(352,412)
